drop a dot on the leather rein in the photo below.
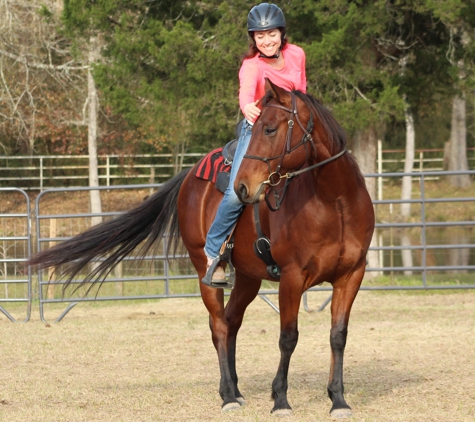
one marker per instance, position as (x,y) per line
(275,176)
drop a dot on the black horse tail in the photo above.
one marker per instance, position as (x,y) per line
(111,241)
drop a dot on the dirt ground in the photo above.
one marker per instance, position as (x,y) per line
(410,357)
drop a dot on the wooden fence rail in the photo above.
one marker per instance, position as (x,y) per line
(45,171)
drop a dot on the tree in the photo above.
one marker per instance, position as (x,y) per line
(352,76)
(358,51)
(167,77)
(92,126)
(38,77)
(456,150)
(91,54)
(170,68)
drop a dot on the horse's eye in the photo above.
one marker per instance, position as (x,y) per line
(270,131)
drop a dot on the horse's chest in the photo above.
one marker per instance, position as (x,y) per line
(305,239)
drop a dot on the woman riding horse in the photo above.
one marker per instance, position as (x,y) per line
(269,56)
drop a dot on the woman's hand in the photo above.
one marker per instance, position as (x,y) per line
(251,111)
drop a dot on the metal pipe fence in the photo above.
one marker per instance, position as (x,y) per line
(433,249)
(154,277)
(15,248)
(424,225)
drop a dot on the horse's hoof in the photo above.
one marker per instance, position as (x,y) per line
(341,413)
(229,407)
(282,413)
(241,401)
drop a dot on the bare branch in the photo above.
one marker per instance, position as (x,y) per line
(23,60)
(358,91)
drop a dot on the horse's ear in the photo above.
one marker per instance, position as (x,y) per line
(280,94)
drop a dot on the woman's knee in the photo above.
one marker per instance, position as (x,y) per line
(230,196)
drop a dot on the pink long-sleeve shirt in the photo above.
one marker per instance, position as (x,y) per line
(254,70)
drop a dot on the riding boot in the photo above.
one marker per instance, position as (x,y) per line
(215,276)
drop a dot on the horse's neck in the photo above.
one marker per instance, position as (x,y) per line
(333,179)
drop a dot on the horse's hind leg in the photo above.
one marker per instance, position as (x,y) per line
(344,293)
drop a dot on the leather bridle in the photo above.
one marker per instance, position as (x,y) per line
(275,176)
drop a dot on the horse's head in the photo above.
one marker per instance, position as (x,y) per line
(281,143)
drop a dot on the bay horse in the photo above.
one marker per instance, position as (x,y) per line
(313,207)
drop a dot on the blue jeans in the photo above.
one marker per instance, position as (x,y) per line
(230,207)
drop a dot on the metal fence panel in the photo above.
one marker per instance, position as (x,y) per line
(418,253)
(15,248)
(426,244)
(152,278)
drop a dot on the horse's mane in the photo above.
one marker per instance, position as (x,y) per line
(336,134)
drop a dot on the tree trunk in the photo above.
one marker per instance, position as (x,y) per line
(364,149)
(178,156)
(406,190)
(94,195)
(457,148)
(461,256)
(406,254)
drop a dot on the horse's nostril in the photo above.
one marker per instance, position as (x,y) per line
(242,191)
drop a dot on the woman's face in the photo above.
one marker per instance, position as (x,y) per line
(268,42)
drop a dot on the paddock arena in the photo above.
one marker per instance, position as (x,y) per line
(409,357)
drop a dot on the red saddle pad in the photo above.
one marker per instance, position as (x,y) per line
(211,165)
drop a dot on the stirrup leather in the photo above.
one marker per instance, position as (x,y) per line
(262,247)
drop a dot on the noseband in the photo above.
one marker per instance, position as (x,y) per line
(275,176)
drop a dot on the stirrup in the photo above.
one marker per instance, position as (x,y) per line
(227,283)
(224,255)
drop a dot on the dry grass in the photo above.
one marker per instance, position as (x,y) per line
(409,358)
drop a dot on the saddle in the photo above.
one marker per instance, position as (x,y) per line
(222,179)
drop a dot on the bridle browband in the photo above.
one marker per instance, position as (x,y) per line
(275,177)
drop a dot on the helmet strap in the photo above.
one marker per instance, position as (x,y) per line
(275,56)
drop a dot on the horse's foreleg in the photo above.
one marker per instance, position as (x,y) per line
(214,302)
(289,302)
(243,294)
(344,293)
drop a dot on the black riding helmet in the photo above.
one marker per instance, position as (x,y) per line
(263,17)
